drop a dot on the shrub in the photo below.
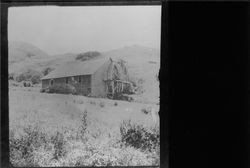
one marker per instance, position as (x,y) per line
(87,55)
(138,85)
(14,84)
(138,136)
(20,78)
(47,70)
(35,148)
(146,110)
(92,102)
(115,104)
(84,125)
(11,76)
(27,84)
(42,90)
(102,104)
(22,148)
(63,148)
(61,88)
(59,145)
(35,79)
(29,75)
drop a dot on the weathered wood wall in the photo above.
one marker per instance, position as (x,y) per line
(45,83)
(98,84)
(83,87)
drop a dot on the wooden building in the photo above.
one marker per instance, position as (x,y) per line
(99,78)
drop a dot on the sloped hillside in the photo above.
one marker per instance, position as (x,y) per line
(22,55)
(20,51)
(135,53)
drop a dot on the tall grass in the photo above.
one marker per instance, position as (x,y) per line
(91,144)
(139,137)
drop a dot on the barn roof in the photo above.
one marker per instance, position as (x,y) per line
(76,68)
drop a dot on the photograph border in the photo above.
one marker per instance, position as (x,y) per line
(164,146)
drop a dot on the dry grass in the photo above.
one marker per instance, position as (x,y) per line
(102,104)
(60,130)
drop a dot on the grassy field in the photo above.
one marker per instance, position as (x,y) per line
(66,130)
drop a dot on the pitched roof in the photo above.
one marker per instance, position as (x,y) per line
(76,68)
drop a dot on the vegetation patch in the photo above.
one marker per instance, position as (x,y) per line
(102,104)
(47,70)
(88,55)
(29,75)
(60,88)
(139,137)
(92,102)
(146,110)
(78,147)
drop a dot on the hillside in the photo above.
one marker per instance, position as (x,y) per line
(21,51)
(135,53)
(22,54)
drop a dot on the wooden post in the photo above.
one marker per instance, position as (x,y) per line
(112,84)
(122,86)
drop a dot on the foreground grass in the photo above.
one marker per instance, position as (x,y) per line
(64,130)
(85,146)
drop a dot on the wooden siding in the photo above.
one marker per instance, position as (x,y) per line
(45,83)
(98,85)
(83,87)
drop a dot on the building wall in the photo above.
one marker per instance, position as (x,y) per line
(97,83)
(59,81)
(83,87)
(45,83)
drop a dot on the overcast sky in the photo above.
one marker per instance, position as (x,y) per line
(58,30)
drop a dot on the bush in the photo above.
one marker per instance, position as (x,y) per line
(84,125)
(139,137)
(42,90)
(35,148)
(59,145)
(138,85)
(87,55)
(11,76)
(92,102)
(61,88)
(102,104)
(29,75)
(115,104)
(77,147)
(22,148)
(46,71)
(35,79)
(27,84)
(146,110)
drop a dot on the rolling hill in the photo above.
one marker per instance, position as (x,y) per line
(21,51)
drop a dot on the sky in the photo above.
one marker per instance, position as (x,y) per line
(58,30)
